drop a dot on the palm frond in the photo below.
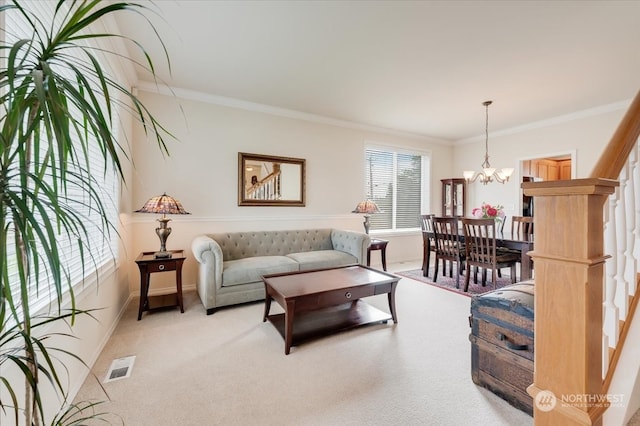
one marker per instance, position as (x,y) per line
(58,106)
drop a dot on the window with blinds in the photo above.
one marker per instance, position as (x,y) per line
(394,181)
(102,244)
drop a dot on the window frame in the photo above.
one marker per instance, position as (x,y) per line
(425,182)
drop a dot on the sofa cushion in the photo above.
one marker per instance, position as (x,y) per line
(240,245)
(250,269)
(323,259)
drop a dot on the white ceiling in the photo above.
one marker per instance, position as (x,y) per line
(423,67)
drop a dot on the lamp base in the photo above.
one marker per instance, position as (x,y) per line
(163,233)
(162,254)
(366,224)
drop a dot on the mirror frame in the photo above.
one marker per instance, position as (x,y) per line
(243,157)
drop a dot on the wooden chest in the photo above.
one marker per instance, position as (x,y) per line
(502,343)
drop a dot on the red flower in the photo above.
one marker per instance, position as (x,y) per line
(487,211)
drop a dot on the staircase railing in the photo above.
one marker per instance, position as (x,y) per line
(571,307)
(268,188)
(622,239)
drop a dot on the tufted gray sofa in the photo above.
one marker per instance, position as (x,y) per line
(231,264)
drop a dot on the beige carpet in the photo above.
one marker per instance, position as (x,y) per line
(230,369)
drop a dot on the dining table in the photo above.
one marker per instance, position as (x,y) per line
(503,239)
(524,247)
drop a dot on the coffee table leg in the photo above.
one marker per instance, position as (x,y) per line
(392,302)
(288,324)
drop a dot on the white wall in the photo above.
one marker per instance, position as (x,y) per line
(201,172)
(586,135)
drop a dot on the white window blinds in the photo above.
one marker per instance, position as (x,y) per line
(394,181)
(99,247)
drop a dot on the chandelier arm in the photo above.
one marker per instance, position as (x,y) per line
(484,179)
(474,178)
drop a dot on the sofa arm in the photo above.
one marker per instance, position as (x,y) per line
(209,255)
(355,243)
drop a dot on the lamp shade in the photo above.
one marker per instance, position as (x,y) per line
(367,207)
(163,204)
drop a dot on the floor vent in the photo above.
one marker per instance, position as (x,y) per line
(120,368)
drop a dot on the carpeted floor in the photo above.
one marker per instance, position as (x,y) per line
(230,369)
(448,283)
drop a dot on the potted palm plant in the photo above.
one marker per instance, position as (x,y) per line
(58,102)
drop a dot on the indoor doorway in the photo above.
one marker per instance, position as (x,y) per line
(547,168)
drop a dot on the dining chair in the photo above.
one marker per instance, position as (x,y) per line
(428,242)
(480,251)
(502,222)
(500,229)
(522,228)
(448,247)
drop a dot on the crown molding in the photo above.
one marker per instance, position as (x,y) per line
(578,115)
(288,113)
(277,111)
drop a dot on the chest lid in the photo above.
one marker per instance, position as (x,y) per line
(516,298)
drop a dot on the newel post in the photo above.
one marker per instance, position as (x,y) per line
(569,289)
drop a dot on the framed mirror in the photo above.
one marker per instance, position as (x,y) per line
(268,180)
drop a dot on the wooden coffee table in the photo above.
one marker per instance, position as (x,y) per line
(321,302)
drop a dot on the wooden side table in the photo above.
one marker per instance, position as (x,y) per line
(378,245)
(148,264)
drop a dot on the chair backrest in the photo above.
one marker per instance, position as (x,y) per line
(427,228)
(522,228)
(480,241)
(445,230)
(425,223)
(500,228)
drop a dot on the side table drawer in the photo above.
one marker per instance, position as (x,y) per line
(169,265)
(345,295)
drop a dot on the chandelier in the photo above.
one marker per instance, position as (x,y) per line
(488,173)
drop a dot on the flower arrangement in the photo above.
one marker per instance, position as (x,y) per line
(487,211)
